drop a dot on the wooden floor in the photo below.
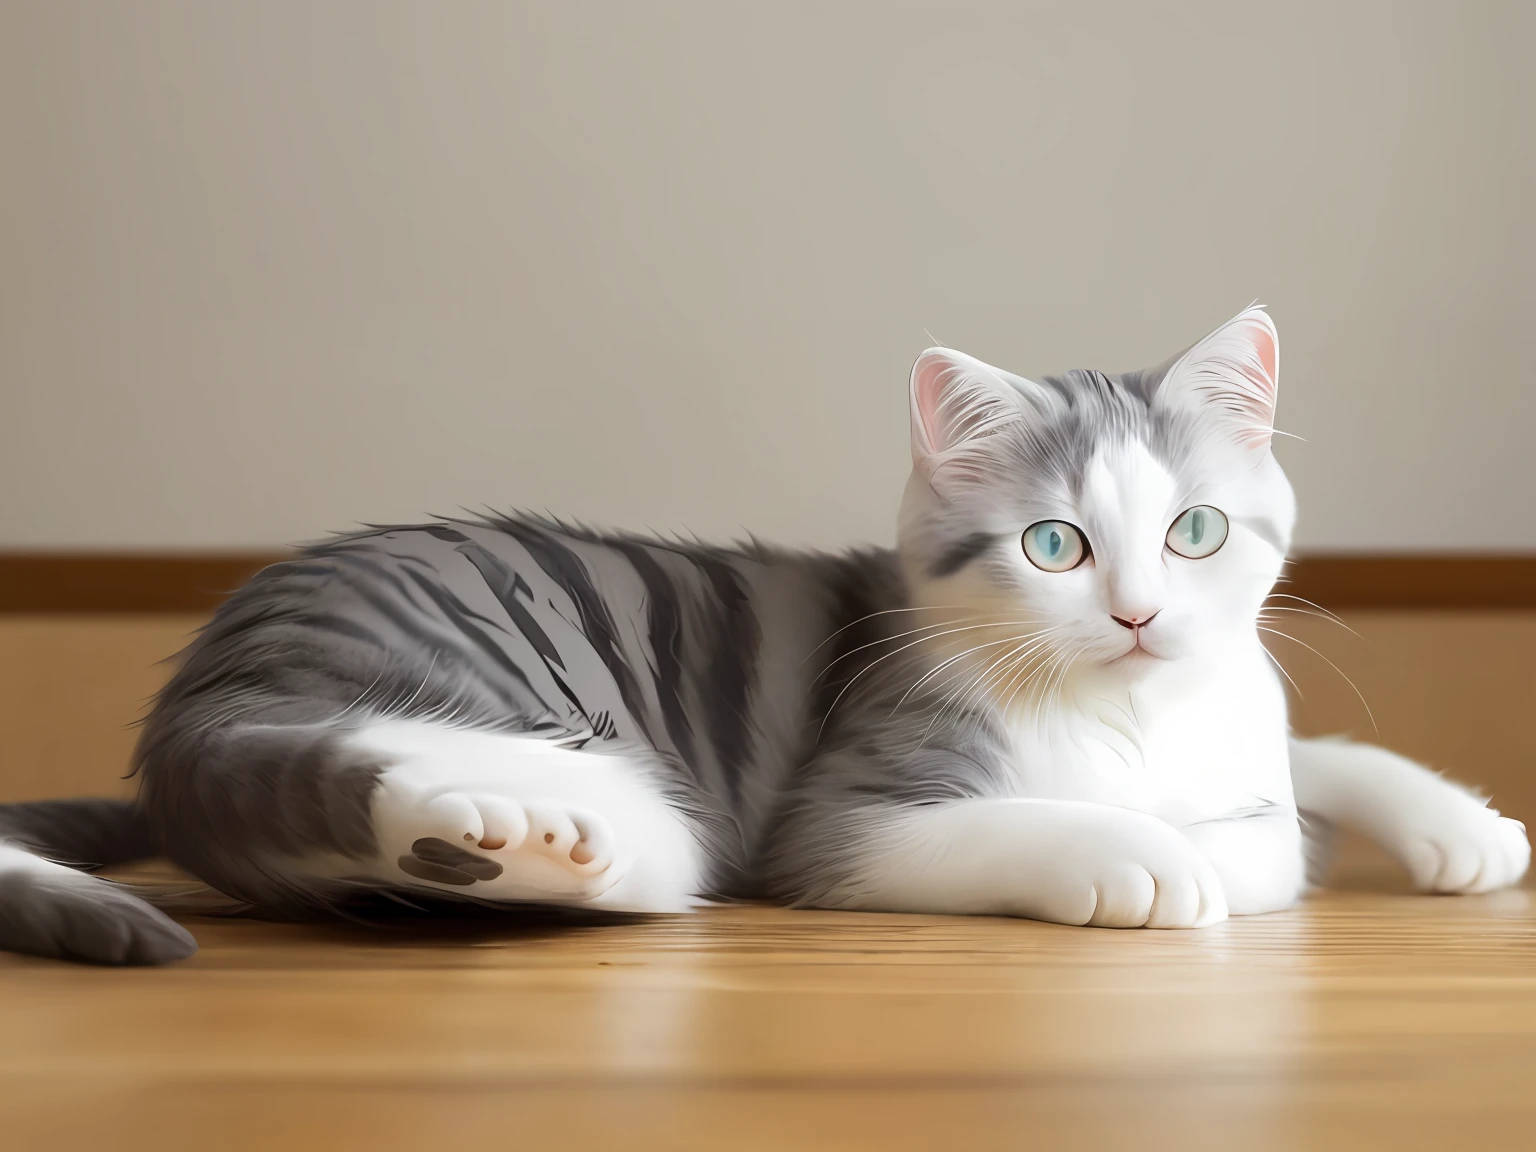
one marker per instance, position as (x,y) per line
(1363,1020)
(1368,1018)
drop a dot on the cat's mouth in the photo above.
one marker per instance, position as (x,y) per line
(1135,654)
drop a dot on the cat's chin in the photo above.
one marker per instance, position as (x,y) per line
(1135,665)
(1136,658)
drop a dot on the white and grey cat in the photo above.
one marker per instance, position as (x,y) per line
(1049,701)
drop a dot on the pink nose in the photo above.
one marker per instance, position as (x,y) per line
(1134,622)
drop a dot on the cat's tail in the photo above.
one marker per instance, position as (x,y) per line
(50,905)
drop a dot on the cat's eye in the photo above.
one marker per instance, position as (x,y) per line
(1198,532)
(1054,546)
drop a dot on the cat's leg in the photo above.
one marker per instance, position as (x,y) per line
(291,819)
(519,818)
(1445,835)
(1260,856)
(1062,861)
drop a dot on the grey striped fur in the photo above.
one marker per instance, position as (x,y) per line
(708,655)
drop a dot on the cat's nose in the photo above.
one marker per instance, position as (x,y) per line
(1134,622)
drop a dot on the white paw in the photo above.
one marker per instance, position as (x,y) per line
(1132,871)
(508,849)
(1463,848)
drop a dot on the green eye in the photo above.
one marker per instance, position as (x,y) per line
(1054,546)
(1198,532)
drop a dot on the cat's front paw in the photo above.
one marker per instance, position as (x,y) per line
(1133,871)
(1463,848)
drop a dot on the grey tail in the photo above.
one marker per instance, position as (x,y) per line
(85,834)
(49,909)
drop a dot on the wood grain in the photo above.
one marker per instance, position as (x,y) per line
(149,582)
(1362,1020)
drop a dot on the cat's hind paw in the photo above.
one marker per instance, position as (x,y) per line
(512,849)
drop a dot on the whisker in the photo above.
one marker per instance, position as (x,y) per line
(924,628)
(880,660)
(934,671)
(1008,663)
(1041,710)
(1026,652)
(942,709)
(1057,692)
(995,671)
(1276,661)
(1036,664)
(1335,667)
(959,698)
(1304,600)
(883,612)
(1031,670)
(951,661)
(1309,612)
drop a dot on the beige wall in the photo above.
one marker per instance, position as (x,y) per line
(270,268)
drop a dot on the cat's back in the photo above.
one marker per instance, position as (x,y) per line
(712,655)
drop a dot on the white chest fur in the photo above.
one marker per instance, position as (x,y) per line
(1184,744)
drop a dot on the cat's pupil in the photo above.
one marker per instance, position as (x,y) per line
(1196,527)
(1055,542)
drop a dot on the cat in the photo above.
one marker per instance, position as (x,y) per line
(1048,701)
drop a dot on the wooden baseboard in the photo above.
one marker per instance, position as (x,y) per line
(130,582)
(123,582)
(1415,580)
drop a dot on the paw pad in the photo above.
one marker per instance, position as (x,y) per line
(445,863)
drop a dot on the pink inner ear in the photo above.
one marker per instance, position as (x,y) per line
(928,376)
(1268,353)
(1261,338)
(1233,373)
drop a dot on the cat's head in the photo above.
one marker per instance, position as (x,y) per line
(1119,523)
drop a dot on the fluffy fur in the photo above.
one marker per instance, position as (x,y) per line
(516,711)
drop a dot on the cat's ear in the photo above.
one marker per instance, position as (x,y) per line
(1231,376)
(958,404)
